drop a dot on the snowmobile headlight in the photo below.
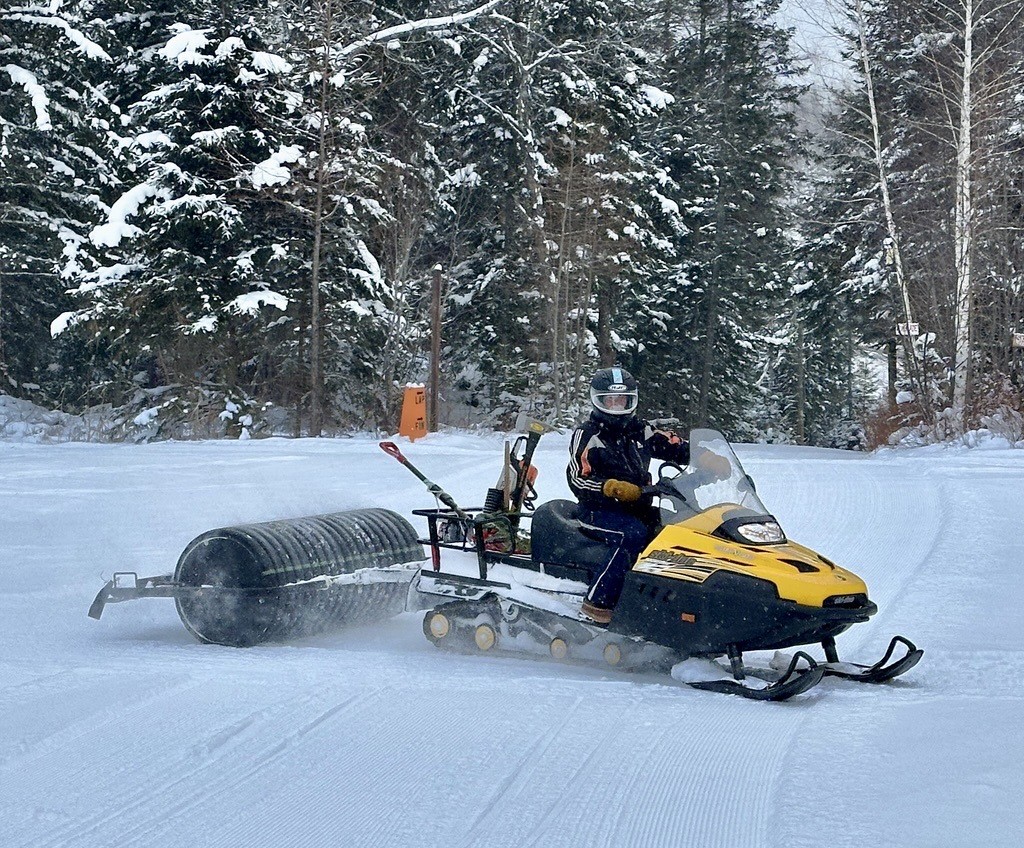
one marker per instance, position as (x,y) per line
(762,532)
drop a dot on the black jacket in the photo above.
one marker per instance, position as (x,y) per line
(603,449)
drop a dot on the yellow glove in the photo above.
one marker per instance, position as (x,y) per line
(621,490)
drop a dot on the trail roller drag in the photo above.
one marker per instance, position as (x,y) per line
(280,580)
(720,579)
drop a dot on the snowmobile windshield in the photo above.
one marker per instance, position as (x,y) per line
(714,476)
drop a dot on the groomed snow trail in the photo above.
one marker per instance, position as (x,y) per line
(125,732)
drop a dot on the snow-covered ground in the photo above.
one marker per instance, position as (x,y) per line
(125,732)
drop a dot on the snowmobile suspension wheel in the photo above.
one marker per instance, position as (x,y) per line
(559,648)
(612,653)
(485,637)
(436,626)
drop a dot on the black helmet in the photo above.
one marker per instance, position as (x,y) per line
(613,392)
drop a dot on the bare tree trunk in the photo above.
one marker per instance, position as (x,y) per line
(300,355)
(316,328)
(535,221)
(963,232)
(586,292)
(559,316)
(605,314)
(890,220)
(711,313)
(714,278)
(4,375)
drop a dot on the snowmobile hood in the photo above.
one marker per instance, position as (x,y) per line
(689,551)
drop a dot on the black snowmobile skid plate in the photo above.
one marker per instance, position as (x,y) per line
(882,670)
(792,681)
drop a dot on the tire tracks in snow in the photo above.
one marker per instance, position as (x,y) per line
(610,773)
(942,597)
(712,788)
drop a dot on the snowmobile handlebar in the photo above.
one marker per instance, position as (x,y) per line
(661,488)
(663,485)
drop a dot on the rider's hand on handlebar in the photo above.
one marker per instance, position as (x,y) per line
(622,490)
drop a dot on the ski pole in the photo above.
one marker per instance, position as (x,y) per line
(391,449)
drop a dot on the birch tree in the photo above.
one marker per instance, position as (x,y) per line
(893,250)
(969,46)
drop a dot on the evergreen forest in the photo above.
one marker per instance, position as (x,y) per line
(233,218)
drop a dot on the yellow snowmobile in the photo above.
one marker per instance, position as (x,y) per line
(719,579)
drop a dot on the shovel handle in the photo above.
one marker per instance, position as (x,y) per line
(391,449)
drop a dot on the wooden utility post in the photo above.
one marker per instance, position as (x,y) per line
(435,350)
(1016,346)
(891,355)
(801,387)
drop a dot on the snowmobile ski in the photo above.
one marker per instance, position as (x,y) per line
(793,681)
(882,670)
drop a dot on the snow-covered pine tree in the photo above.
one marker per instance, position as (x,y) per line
(373,73)
(813,384)
(547,195)
(499,301)
(727,145)
(607,213)
(54,115)
(192,271)
(400,89)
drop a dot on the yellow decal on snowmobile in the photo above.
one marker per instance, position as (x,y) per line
(687,551)
(678,566)
(731,551)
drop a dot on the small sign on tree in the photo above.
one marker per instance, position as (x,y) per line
(912,330)
(1017,340)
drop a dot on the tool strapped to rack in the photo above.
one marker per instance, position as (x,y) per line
(514,491)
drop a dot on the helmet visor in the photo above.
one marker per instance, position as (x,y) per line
(615,403)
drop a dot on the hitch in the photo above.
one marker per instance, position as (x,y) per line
(127,586)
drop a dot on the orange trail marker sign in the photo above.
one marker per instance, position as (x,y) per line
(414,413)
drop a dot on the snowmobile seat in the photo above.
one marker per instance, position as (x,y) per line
(556,536)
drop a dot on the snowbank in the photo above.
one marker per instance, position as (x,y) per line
(23,421)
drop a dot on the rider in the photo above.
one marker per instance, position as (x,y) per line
(609,466)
